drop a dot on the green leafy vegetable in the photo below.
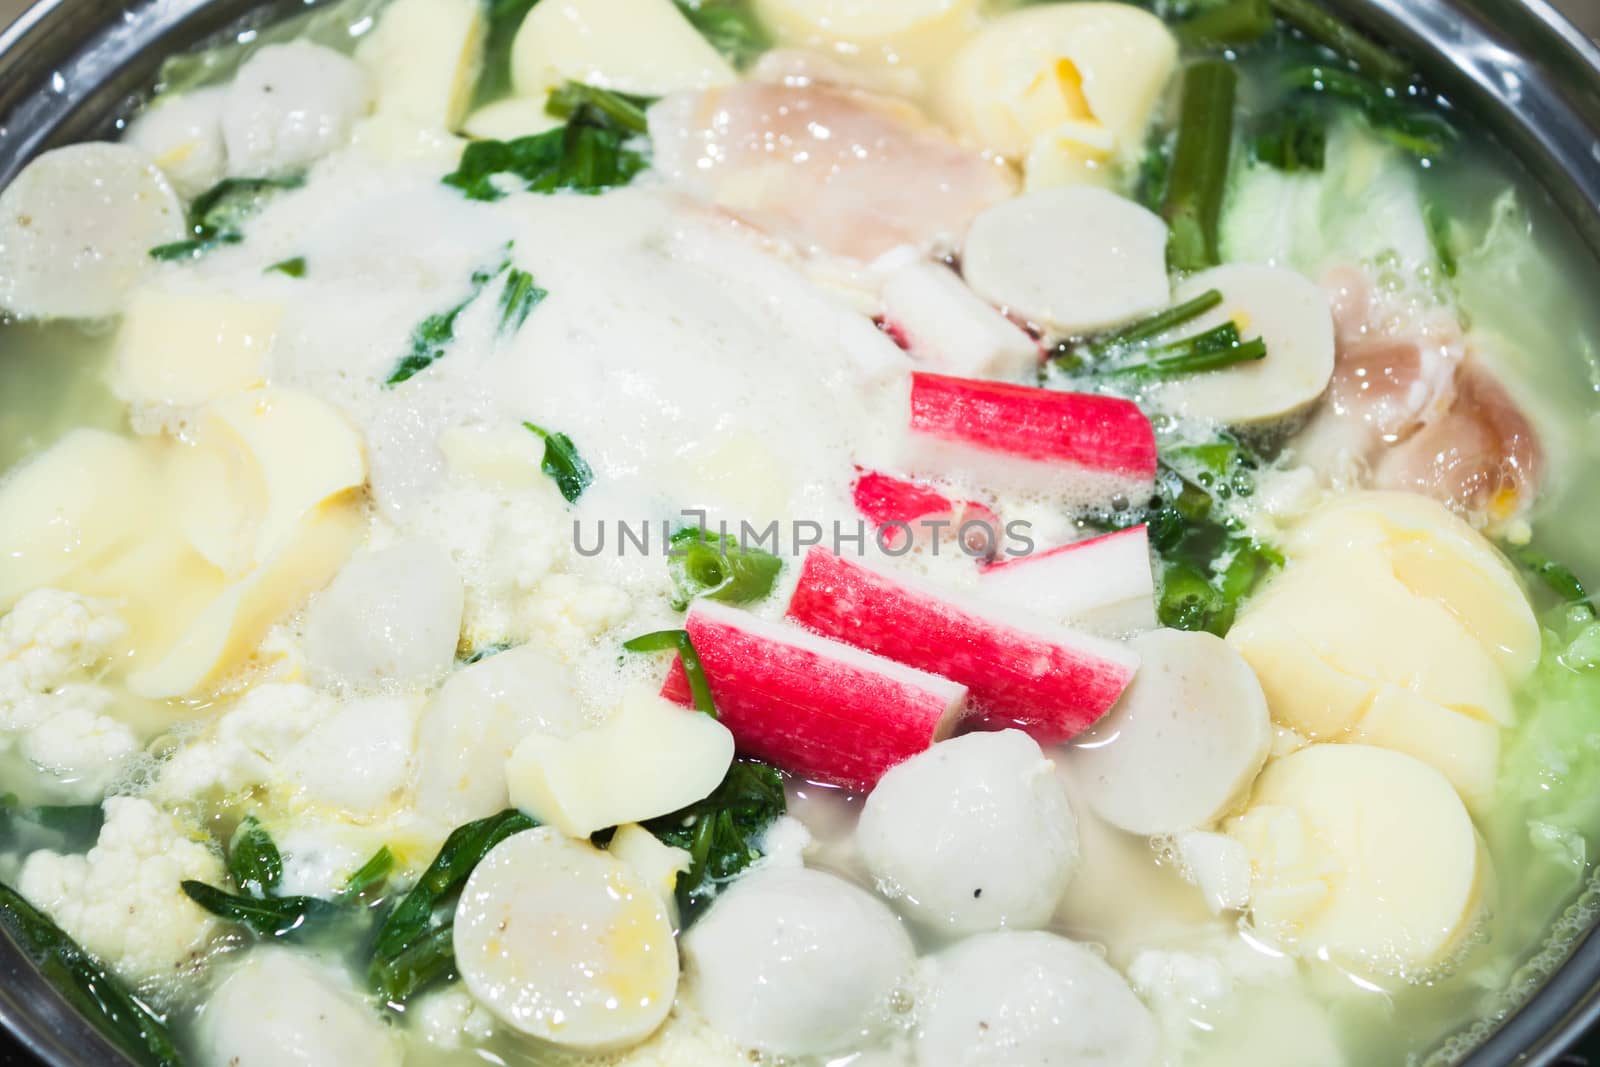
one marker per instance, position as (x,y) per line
(1200,164)
(562,463)
(253,860)
(1394,114)
(1313,19)
(267,916)
(75,825)
(413,946)
(368,876)
(722,832)
(1156,325)
(218,215)
(718,567)
(86,982)
(1155,171)
(1136,352)
(1291,139)
(731,26)
(504,18)
(294,268)
(605,108)
(518,299)
(678,641)
(1227,25)
(1556,577)
(588,154)
(1209,562)
(434,334)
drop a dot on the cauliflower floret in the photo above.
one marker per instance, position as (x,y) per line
(352,756)
(83,749)
(48,642)
(451,1018)
(50,707)
(243,746)
(122,899)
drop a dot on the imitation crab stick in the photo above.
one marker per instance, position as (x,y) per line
(819,709)
(1104,582)
(905,511)
(1021,670)
(1025,438)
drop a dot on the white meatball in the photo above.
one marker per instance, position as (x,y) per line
(476,720)
(974,834)
(279,1008)
(389,616)
(290,105)
(1031,999)
(76,229)
(183,136)
(796,962)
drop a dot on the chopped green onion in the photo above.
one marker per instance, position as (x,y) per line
(88,984)
(1200,164)
(294,268)
(718,567)
(618,110)
(562,463)
(1315,21)
(678,641)
(1159,323)
(1229,25)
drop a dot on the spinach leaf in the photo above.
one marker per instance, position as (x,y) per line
(217,215)
(588,154)
(86,982)
(1138,352)
(73,827)
(434,334)
(562,463)
(1317,22)
(413,946)
(719,568)
(1556,577)
(731,26)
(253,859)
(678,641)
(1399,116)
(1291,139)
(518,299)
(1227,25)
(722,832)
(267,916)
(294,268)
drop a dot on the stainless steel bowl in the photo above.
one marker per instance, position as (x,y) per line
(71,69)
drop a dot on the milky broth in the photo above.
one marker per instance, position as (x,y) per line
(701,368)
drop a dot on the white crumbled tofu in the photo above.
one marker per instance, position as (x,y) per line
(784,843)
(450,1019)
(121,900)
(504,546)
(571,611)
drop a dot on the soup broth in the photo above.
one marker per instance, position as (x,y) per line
(471,578)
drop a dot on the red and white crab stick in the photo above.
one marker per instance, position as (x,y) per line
(905,511)
(1024,438)
(1105,582)
(1020,669)
(817,708)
